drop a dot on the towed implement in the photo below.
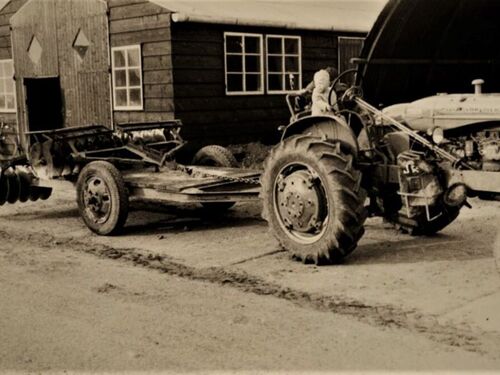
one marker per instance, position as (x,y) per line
(108,168)
(84,117)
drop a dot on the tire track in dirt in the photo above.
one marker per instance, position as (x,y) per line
(486,343)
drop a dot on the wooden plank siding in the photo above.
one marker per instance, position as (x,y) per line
(8,121)
(5,45)
(141,22)
(84,79)
(208,114)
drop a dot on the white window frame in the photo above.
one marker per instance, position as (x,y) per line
(243,72)
(283,55)
(5,79)
(127,68)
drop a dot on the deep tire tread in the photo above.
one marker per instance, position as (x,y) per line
(221,156)
(347,196)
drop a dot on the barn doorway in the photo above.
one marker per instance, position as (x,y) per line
(44,103)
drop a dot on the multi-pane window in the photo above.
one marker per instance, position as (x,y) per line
(243,62)
(7,87)
(127,78)
(284,70)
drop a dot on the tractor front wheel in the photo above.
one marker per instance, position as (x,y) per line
(312,199)
(102,198)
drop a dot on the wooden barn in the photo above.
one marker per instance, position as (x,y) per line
(223,68)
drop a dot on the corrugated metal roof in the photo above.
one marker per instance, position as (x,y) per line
(340,15)
(419,48)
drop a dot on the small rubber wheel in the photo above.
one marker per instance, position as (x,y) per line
(102,198)
(215,156)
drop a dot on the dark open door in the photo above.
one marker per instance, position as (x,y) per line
(44,104)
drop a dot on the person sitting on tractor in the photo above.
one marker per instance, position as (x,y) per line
(305,95)
(320,101)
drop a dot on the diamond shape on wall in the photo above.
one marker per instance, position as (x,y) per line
(35,50)
(81,43)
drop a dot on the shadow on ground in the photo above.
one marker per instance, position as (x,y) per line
(454,243)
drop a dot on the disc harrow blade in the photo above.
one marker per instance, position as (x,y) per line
(14,186)
(4,188)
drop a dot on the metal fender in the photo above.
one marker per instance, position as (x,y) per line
(398,142)
(332,128)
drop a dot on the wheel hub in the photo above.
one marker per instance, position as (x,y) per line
(299,201)
(97,199)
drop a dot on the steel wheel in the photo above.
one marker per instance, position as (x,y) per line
(300,203)
(102,198)
(97,199)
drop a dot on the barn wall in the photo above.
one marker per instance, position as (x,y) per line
(141,22)
(209,116)
(8,11)
(8,119)
(84,80)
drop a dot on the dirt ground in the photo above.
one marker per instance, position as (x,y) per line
(182,291)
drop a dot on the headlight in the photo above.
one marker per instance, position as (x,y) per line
(438,135)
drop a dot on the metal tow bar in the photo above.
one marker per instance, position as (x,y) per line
(405,129)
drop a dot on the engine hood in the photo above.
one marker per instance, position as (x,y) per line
(447,111)
(418,48)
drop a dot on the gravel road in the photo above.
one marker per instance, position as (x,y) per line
(182,291)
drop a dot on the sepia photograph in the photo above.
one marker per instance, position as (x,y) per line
(249,186)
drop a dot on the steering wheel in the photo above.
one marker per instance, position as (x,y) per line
(336,81)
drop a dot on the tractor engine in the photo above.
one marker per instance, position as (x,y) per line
(481,150)
(465,125)
(488,144)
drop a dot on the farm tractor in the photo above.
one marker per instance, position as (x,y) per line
(415,163)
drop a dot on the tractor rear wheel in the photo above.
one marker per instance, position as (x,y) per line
(312,199)
(215,156)
(102,198)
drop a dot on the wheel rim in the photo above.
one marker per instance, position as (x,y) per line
(97,200)
(300,203)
